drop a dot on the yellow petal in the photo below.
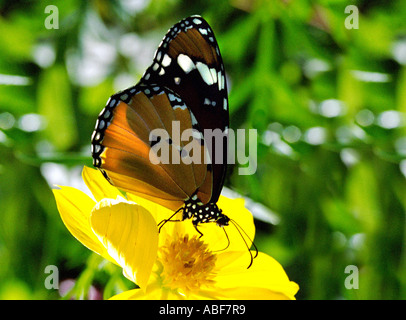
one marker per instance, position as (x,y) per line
(265,274)
(130,235)
(135,294)
(157,211)
(153,292)
(161,213)
(252,293)
(74,207)
(98,184)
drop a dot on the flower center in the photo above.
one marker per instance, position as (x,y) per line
(187,264)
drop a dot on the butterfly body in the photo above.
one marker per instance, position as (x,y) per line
(203,213)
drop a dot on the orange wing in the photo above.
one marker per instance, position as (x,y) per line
(138,145)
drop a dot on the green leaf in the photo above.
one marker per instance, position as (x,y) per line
(363,196)
(339,217)
(55,103)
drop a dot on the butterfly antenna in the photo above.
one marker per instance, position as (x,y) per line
(239,229)
(228,239)
(162,223)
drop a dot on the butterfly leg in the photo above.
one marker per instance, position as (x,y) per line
(201,234)
(162,223)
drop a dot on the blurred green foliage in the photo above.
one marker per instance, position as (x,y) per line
(328,102)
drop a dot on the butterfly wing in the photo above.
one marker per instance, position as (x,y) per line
(134,127)
(188,61)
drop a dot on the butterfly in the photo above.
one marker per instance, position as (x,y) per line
(183,90)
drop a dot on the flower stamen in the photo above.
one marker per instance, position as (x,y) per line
(187,264)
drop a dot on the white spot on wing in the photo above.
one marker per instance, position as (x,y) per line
(171,97)
(174,98)
(158,55)
(197,134)
(182,107)
(166,61)
(213,74)
(219,79)
(203,31)
(112,103)
(106,114)
(205,72)
(194,121)
(185,63)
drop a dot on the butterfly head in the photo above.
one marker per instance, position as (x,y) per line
(223,220)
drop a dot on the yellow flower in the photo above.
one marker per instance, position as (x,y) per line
(175,263)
